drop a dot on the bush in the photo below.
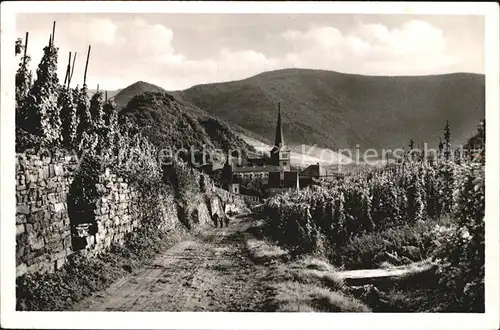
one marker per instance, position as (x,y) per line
(398,246)
(462,249)
(390,216)
(361,204)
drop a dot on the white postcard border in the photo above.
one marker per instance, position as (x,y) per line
(151,320)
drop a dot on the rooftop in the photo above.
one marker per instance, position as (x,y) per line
(256,169)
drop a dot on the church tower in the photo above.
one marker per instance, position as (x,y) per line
(280,154)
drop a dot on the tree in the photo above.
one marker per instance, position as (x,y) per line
(23,81)
(19,46)
(96,110)
(447,143)
(97,117)
(42,110)
(110,120)
(440,147)
(253,186)
(83,132)
(411,151)
(481,129)
(69,119)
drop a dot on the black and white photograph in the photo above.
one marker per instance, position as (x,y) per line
(247,159)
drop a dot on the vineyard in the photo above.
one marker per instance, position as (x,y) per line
(55,119)
(54,116)
(399,214)
(415,210)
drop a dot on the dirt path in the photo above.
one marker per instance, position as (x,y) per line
(209,273)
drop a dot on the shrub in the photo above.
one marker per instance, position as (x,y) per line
(462,249)
(398,245)
(367,221)
(69,119)
(41,109)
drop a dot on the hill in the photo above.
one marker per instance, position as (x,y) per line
(125,95)
(111,94)
(220,133)
(170,124)
(122,97)
(336,110)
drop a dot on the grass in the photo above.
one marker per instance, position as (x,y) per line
(303,271)
(315,263)
(413,293)
(311,284)
(297,297)
(262,252)
(306,284)
(81,276)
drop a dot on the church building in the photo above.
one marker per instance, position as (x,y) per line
(275,170)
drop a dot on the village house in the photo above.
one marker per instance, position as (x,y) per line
(314,173)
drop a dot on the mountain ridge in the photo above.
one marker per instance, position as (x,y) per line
(172,126)
(339,110)
(330,71)
(123,96)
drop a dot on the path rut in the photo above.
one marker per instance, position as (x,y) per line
(208,273)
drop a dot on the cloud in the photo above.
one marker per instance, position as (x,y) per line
(325,37)
(148,41)
(101,31)
(124,51)
(416,47)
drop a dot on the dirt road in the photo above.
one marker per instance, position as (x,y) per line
(208,273)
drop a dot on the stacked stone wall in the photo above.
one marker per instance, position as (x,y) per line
(119,210)
(52,224)
(48,231)
(43,232)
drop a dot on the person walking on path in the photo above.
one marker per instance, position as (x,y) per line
(221,220)
(215,219)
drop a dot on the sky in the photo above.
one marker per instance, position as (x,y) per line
(177,51)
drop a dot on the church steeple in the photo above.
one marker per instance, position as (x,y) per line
(278,140)
(280,154)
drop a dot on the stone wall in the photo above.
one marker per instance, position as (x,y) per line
(237,200)
(216,206)
(43,235)
(118,211)
(203,212)
(53,220)
(49,230)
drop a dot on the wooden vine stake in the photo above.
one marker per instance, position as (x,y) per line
(25,48)
(72,70)
(106,95)
(53,32)
(68,69)
(86,66)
